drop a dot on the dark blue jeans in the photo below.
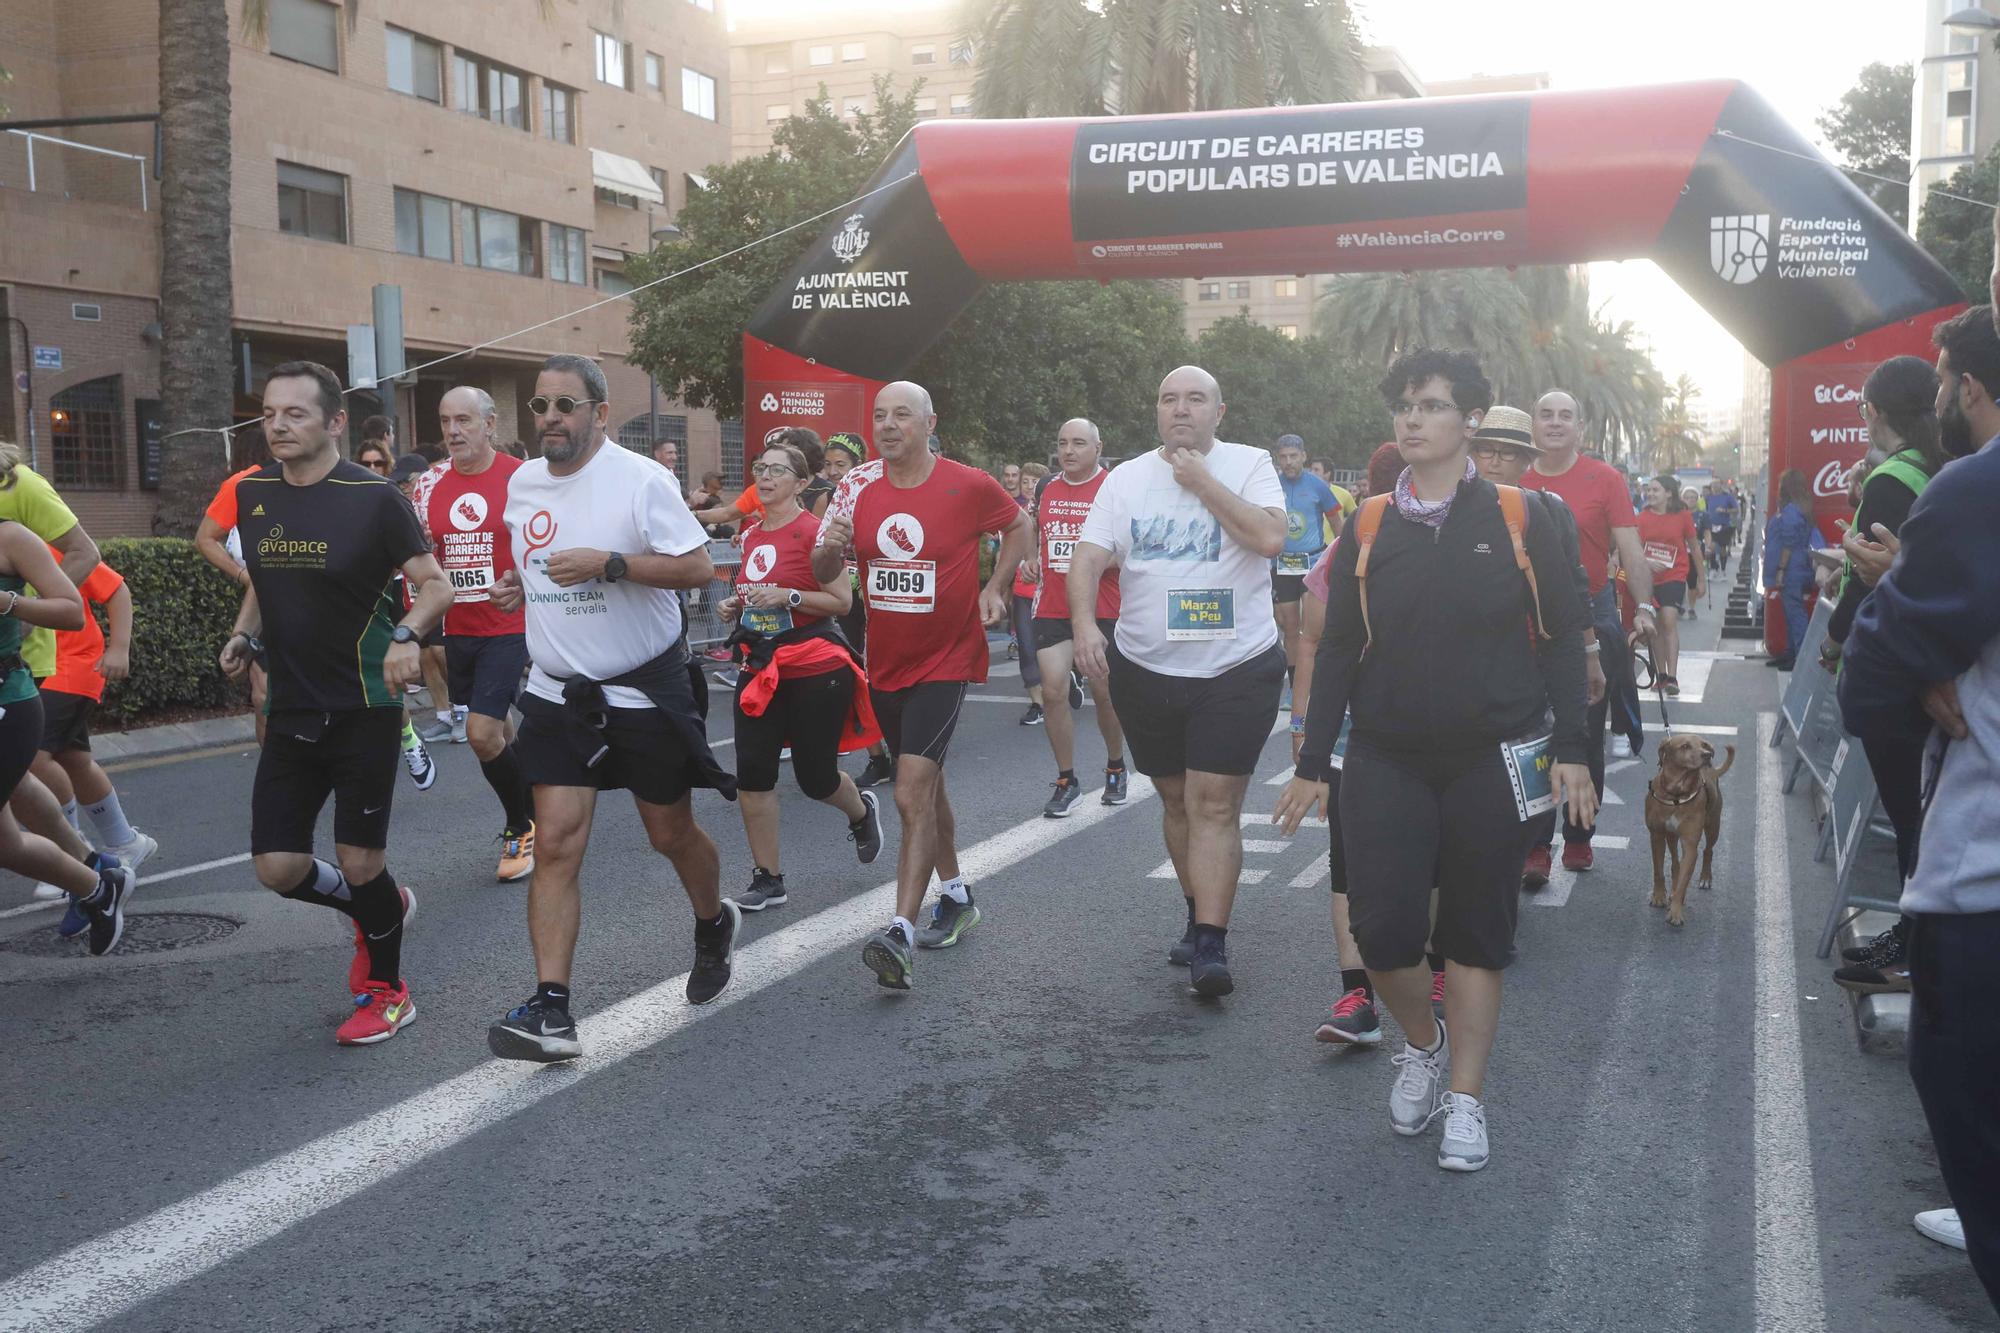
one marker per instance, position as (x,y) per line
(1617,680)
(1792,598)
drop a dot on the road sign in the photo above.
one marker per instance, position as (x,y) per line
(48,358)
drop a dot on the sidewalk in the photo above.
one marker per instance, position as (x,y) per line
(174,737)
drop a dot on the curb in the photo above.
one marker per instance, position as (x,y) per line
(173,738)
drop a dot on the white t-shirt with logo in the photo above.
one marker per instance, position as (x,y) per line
(619,502)
(1193,600)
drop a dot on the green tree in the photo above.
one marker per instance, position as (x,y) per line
(1959,232)
(1870,128)
(1276,385)
(1374,318)
(1676,441)
(1141,57)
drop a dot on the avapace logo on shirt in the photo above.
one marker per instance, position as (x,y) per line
(468,511)
(900,536)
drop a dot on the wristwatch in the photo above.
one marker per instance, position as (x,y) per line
(795,597)
(403,634)
(614,568)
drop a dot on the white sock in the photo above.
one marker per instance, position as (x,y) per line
(444,716)
(72,814)
(909,927)
(458,712)
(955,889)
(108,818)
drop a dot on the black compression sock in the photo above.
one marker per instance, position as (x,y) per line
(324,886)
(1352,978)
(1190,905)
(1436,960)
(1115,765)
(553,996)
(510,783)
(1209,935)
(378,910)
(1066,775)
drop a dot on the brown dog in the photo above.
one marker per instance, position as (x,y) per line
(1684,803)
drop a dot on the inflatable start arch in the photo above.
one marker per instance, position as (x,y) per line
(1703,178)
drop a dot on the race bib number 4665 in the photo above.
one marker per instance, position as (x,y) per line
(902,585)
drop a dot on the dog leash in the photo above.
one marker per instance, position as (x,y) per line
(1652,682)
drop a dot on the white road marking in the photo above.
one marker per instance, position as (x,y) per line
(1688,654)
(1320,868)
(1251,819)
(1021,699)
(1606,842)
(39,905)
(1164,870)
(1791,1296)
(1266,846)
(198,868)
(1619,766)
(1252,876)
(1612,798)
(1556,892)
(1690,729)
(109,1275)
(1279,778)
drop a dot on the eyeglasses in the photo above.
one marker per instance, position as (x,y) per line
(1430,407)
(771,470)
(1508,453)
(563,405)
(376,464)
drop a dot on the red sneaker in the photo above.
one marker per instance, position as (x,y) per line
(1353,1021)
(357,970)
(380,1012)
(1577,856)
(1437,994)
(1535,870)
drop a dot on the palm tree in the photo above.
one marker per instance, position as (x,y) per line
(1374,318)
(1141,57)
(1676,440)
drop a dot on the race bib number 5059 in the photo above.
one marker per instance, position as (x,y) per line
(902,585)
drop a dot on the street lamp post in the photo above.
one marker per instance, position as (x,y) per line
(27,378)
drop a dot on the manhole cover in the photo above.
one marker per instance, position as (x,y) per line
(145,932)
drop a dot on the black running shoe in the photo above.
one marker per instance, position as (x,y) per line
(1068,792)
(1075,692)
(1183,951)
(766,890)
(881,768)
(1208,971)
(1033,716)
(107,918)
(1885,950)
(889,956)
(1114,786)
(714,957)
(866,832)
(536,1031)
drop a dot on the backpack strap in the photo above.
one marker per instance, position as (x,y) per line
(1367,524)
(1514,510)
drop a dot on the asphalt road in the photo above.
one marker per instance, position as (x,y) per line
(1048,1133)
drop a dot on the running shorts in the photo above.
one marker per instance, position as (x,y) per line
(351,756)
(643,751)
(20,736)
(1287,588)
(66,721)
(1052,630)
(1211,724)
(919,719)
(485,672)
(1671,594)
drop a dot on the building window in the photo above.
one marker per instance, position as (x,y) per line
(489,238)
(306,31)
(731,462)
(88,434)
(697,94)
(1239,291)
(1208,291)
(656,72)
(642,433)
(819,55)
(923,55)
(854,106)
(853,51)
(961,52)
(612,282)
(1958,80)
(615,199)
(776,112)
(614,61)
(423,225)
(312,203)
(777,60)
(926,106)
(1284,287)
(416,66)
(566,255)
(488,90)
(1288,331)
(659,175)
(558,113)
(961,104)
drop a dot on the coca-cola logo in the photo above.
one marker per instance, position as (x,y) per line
(1833,478)
(1835,393)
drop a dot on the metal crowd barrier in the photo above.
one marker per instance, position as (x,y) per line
(705,628)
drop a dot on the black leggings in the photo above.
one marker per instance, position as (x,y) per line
(807,711)
(20,738)
(1898,766)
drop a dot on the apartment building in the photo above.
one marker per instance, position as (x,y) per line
(778,65)
(498,166)
(1955,111)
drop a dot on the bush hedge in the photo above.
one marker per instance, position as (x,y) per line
(182,610)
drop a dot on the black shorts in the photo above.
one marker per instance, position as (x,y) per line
(644,754)
(1210,724)
(1413,821)
(485,672)
(66,721)
(1286,588)
(20,736)
(1052,630)
(1671,594)
(433,637)
(919,719)
(352,756)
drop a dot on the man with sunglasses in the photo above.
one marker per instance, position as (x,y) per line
(602,540)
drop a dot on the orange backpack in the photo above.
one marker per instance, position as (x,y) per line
(1513,509)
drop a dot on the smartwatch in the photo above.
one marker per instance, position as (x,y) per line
(403,634)
(614,568)
(795,597)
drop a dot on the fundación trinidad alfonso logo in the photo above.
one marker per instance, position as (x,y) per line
(851,240)
(468,511)
(759,563)
(1739,246)
(540,530)
(900,535)
(768,403)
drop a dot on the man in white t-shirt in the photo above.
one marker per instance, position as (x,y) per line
(610,701)
(1197,666)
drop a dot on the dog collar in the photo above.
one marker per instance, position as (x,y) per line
(1670,800)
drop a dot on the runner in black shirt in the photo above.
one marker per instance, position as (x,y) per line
(323,540)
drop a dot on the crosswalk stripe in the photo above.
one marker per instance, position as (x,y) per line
(1318,869)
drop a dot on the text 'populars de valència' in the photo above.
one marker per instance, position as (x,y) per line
(1253,162)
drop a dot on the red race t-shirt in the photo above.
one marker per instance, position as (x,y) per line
(778,559)
(1664,538)
(918,549)
(462,516)
(78,650)
(1595,492)
(1065,504)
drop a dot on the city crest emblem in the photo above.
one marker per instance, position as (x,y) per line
(852,239)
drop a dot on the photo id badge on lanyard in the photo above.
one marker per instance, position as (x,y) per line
(1531,770)
(1201,613)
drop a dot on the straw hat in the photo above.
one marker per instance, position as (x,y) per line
(1507,425)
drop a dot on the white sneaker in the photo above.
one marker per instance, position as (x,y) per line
(1942,1225)
(1464,1147)
(134,853)
(48,893)
(1413,1097)
(1621,748)
(418,761)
